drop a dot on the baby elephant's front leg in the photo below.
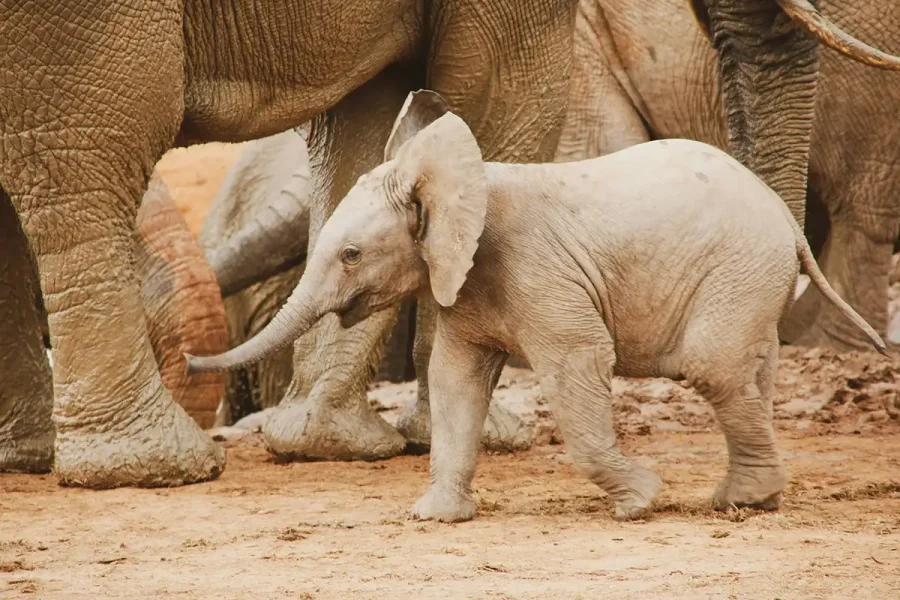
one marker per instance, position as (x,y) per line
(461,377)
(580,396)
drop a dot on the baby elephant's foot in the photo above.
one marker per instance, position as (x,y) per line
(634,499)
(751,487)
(441,504)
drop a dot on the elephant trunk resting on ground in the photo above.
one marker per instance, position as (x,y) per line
(667,259)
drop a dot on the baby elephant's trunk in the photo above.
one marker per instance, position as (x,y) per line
(294,319)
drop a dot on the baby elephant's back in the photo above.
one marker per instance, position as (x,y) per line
(683,186)
(695,240)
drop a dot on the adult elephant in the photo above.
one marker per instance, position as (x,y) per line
(95,91)
(643,71)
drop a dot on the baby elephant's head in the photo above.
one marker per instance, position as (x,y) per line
(411,223)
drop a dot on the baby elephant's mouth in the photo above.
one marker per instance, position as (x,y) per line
(361,307)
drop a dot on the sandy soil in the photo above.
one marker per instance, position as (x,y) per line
(338,530)
(330,530)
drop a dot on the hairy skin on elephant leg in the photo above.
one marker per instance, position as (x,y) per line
(26,395)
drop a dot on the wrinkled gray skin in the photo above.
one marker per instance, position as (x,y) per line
(270,179)
(181,304)
(95,91)
(758,70)
(643,71)
(665,259)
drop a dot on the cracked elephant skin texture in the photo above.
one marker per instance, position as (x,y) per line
(643,70)
(96,91)
(183,310)
(666,259)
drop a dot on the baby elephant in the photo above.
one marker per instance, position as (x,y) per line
(665,259)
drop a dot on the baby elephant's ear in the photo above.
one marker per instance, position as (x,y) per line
(449,197)
(420,110)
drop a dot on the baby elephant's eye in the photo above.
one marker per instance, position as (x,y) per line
(350,255)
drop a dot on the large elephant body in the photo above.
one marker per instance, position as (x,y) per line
(644,71)
(94,92)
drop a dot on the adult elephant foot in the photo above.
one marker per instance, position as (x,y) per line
(503,430)
(330,418)
(26,452)
(858,267)
(312,430)
(167,450)
(26,385)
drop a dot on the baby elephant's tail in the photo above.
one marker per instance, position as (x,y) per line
(816,277)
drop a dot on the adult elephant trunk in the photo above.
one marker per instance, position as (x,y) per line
(300,312)
(274,241)
(769,69)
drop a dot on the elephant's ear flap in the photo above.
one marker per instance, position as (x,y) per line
(448,199)
(420,110)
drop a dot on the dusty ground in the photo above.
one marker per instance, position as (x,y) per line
(329,530)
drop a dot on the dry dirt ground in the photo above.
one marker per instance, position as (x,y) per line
(338,530)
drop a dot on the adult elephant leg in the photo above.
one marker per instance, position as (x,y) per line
(75,156)
(602,117)
(769,69)
(26,392)
(325,413)
(511,86)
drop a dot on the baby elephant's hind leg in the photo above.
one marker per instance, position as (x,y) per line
(581,399)
(739,385)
